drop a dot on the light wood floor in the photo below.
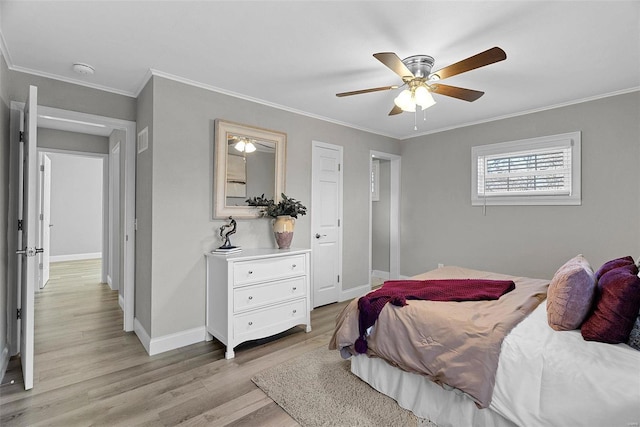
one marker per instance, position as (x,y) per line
(89,372)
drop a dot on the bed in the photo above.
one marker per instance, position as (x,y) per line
(543,377)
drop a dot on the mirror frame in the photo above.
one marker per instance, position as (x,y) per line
(223,128)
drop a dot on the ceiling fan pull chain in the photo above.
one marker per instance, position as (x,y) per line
(424,114)
(415,119)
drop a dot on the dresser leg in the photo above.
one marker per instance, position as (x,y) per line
(229,354)
(308,327)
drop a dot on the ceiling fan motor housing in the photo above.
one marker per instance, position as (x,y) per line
(419,65)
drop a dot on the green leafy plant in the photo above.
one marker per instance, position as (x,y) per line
(286,206)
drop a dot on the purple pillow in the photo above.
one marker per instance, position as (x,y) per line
(614,263)
(616,308)
(570,295)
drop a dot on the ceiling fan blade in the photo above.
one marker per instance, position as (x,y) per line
(395,110)
(358,92)
(394,63)
(456,92)
(490,56)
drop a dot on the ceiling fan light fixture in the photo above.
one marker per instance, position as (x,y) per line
(423,97)
(406,101)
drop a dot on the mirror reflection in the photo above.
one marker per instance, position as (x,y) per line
(251,168)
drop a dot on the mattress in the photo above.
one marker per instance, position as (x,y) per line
(544,378)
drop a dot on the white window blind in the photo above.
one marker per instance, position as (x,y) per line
(535,171)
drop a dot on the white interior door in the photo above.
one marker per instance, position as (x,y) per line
(45,218)
(27,261)
(326,214)
(114,218)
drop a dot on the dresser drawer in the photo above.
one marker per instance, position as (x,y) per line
(247,272)
(248,297)
(269,321)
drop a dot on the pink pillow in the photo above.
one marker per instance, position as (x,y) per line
(570,294)
(614,263)
(617,308)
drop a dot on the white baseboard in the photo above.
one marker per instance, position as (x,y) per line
(4,362)
(380,274)
(142,334)
(121,301)
(168,342)
(75,257)
(347,294)
(403,277)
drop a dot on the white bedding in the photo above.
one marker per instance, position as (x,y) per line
(544,378)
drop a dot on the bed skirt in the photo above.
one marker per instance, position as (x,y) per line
(424,398)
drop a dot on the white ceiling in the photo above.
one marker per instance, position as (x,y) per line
(298,55)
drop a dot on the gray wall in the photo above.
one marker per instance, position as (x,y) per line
(72,141)
(4,203)
(440,225)
(144,211)
(182,144)
(380,210)
(76,205)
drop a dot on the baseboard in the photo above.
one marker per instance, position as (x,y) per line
(403,277)
(347,294)
(121,301)
(169,342)
(380,274)
(4,362)
(142,334)
(75,257)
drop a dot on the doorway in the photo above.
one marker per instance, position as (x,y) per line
(73,223)
(384,217)
(76,122)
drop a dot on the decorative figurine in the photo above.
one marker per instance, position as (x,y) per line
(227,241)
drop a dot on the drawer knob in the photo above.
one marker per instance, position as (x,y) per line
(250,297)
(294,288)
(294,311)
(250,272)
(250,323)
(293,266)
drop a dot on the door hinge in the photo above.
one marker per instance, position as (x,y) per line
(19,225)
(41,266)
(41,217)
(42,168)
(21,136)
(338,167)
(338,278)
(19,313)
(338,222)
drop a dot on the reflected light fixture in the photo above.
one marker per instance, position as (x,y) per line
(245,146)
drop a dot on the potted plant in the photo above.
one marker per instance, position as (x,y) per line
(284,213)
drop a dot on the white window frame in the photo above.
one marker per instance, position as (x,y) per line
(572,139)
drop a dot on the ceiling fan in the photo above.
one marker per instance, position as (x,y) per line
(415,72)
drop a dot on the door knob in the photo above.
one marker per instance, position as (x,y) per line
(319,236)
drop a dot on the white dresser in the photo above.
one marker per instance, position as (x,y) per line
(257,293)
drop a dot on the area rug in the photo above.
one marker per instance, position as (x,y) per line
(318,389)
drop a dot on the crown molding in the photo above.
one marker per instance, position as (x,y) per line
(525,112)
(204,86)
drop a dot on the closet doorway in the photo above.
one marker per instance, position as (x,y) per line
(384,217)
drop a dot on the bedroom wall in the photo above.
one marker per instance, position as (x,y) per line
(440,225)
(4,204)
(181,201)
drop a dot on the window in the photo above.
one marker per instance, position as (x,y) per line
(538,171)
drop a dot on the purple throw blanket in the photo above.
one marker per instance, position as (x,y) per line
(397,292)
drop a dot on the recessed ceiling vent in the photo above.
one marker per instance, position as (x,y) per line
(84,69)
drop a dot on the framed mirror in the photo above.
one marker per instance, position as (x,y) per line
(249,162)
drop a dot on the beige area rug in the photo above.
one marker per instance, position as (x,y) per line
(318,389)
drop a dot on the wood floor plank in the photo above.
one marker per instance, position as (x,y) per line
(89,372)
